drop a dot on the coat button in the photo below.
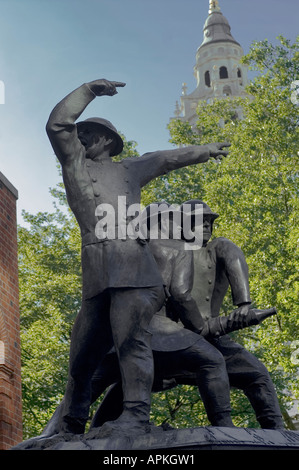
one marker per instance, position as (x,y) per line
(207,298)
(94,180)
(97,194)
(210,281)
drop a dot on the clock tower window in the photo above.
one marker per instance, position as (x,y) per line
(223,72)
(207,79)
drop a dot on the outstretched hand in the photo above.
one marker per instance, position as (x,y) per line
(103,87)
(216,150)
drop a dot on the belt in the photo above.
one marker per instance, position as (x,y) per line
(90,239)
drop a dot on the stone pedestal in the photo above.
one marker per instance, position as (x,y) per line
(172,441)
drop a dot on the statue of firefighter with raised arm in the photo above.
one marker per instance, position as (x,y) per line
(122,286)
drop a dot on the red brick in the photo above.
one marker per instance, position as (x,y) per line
(10,369)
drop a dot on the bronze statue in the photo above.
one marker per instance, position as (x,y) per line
(122,286)
(180,355)
(176,350)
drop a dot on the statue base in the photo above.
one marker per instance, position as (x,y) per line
(170,440)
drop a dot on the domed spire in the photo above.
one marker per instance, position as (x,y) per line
(216,27)
(218,71)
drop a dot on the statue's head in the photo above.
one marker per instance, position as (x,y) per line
(97,135)
(195,206)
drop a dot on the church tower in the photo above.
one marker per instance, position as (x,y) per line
(218,71)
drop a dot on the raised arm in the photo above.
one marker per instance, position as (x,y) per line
(158,163)
(61,127)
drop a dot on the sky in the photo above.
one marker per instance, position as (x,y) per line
(50,47)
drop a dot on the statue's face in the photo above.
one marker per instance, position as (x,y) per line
(86,137)
(94,140)
(207,229)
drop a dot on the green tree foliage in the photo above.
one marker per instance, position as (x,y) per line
(49,273)
(255,191)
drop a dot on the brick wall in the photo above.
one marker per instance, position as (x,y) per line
(10,360)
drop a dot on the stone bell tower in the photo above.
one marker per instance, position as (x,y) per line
(10,354)
(217,70)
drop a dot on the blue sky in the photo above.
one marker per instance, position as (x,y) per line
(50,47)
